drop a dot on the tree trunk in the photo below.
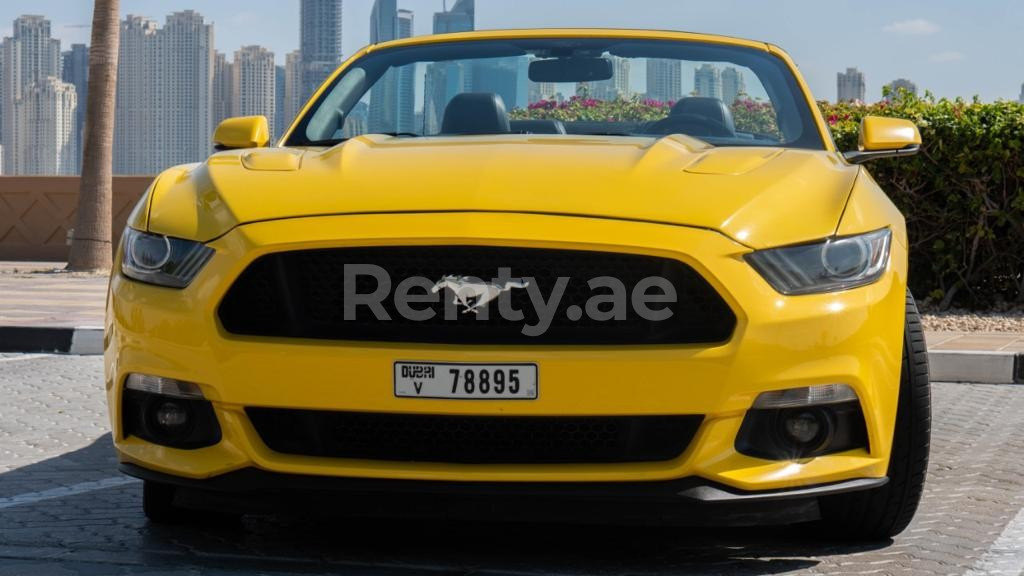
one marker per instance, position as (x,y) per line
(91,244)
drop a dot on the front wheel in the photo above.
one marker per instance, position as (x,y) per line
(885,511)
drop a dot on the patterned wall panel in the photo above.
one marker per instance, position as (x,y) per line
(36,213)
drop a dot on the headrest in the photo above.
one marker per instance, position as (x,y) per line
(475,113)
(711,108)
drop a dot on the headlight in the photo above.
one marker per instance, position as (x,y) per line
(162,260)
(835,264)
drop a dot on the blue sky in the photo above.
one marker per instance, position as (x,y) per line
(951,47)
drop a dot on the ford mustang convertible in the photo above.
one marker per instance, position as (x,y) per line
(596,275)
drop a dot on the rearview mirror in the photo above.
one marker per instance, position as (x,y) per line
(573,69)
(242,132)
(884,138)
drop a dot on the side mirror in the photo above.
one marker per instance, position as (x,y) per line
(884,138)
(242,132)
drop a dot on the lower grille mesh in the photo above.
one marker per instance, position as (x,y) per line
(474,439)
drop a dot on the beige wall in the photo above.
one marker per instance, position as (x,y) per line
(36,213)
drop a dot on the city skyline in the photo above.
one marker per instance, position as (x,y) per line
(944,46)
(44,87)
(164,116)
(38,107)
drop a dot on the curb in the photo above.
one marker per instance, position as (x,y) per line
(944,365)
(84,340)
(981,367)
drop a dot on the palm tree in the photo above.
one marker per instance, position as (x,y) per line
(91,245)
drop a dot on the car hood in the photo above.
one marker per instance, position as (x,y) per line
(755,195)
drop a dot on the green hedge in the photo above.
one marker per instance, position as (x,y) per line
(963,195)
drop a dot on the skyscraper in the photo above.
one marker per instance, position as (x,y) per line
(355,124)
(540,91)
(30,55)
(506,77)
(443,80)
(733,85)
(44,121)
(461,18)
(1021,99)
(707,81)
(222,94)
(664,79)
(164,110)
(392,99)
(616,86)
(320,47)
(75,71)
(406,81)
(293,99)
(902,83)
(850,85)
(383,21)
(280,124)
(253,82)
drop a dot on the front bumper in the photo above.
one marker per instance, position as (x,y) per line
(853,337)
(686,501)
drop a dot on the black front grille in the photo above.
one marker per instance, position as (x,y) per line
(301,295)
(474,439)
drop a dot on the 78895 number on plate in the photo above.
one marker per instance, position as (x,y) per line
(466,381)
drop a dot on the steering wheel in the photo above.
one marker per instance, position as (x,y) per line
(690,124)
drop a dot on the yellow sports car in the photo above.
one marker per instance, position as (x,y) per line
(603,275)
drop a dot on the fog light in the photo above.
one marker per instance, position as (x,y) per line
(802,428)
(170,420)
(805,431)
(168,412)
(171,416)
(802,432)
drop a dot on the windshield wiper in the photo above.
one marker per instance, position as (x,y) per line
(336,141)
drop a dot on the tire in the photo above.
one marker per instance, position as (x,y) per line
(886,511)
(158,503)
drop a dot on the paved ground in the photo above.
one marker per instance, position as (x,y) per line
(65,510)
(40,294)
(976,341)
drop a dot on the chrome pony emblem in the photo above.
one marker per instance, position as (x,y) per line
(472,292)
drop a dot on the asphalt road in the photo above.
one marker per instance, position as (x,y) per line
(64,509)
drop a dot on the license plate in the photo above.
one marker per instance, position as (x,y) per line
(466,381)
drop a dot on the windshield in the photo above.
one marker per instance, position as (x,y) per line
(726,95)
